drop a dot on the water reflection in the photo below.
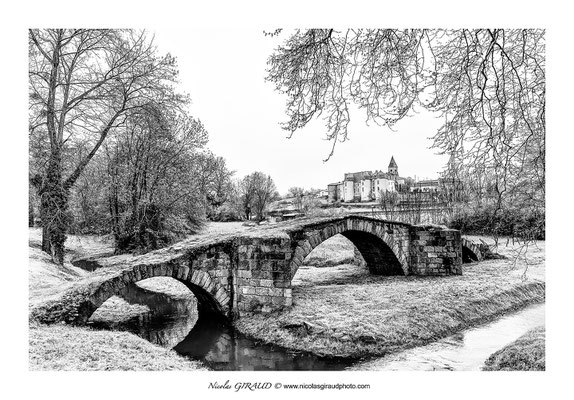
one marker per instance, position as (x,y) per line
(86,264)
(222,348)
(173,322)
(168,321)
(465,351)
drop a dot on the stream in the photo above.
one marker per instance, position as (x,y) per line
(464,351)
(173,323)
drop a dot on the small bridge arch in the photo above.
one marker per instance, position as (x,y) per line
(472,251)
(211,296)
(203,269)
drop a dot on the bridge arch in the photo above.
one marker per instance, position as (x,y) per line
(212,297)
(381,244)
(471,251)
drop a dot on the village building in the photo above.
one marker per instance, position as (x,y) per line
(426,186)
(366,186)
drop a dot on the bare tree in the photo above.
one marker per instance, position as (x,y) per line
(257,192)
(297,193)
(246,192)
(213,181)
(152,196)
(82,83)
(488,85)
(389,204)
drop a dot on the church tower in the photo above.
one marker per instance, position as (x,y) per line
(393,168)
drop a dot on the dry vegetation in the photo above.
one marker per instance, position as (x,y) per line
(527,353)
(67,348)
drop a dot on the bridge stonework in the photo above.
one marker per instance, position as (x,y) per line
(251,271)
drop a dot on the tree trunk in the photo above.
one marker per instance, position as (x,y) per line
(30,213)
(53,210)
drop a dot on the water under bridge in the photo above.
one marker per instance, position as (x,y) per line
(251,271)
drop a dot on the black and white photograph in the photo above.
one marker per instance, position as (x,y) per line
(279,207)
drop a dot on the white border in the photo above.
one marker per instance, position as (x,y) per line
(18,16)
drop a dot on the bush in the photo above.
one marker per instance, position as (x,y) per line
(154,228)
(488,220)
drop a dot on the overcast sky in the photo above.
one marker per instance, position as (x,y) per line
(224,71)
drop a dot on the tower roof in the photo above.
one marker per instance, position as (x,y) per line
(393,164)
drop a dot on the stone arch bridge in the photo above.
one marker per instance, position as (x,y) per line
(251,271)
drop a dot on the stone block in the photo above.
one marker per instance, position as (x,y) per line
(266,282)
(248,290)
(263,275)
(263,299)
(282,284)
(306,247)
(193,277)
(210,286)
(183,272)
(262,291)
(244,274)
(206,281)
(300,251)
(314,239)
(137,274)
(247,282)
(223,299)
(278,301)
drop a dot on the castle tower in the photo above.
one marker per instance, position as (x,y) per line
(393,168)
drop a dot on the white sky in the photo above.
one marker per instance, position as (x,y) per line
(224,71)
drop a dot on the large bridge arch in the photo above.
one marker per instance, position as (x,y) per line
(381,244)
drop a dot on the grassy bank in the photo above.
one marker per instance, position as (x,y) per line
(527,353)
(350,313)
(63,347)
(67,348)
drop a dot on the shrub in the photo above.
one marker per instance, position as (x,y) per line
(516,222)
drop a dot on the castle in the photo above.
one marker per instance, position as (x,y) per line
(366,185)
